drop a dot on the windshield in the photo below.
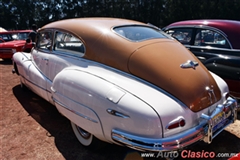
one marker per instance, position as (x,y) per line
(20,36)
(139,33)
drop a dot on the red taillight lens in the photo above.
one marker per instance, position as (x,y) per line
(174,125)
(182,123)
(179,123)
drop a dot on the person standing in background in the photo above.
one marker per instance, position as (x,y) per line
(32,35)
(31,38)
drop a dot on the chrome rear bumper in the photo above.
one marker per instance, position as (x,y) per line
(204,131)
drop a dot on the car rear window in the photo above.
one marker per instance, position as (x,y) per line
(139,33)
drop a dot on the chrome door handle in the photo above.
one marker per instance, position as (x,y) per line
(201,58)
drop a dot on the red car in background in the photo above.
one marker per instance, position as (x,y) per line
(14,41)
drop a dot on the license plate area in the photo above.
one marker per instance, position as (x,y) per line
(219,120)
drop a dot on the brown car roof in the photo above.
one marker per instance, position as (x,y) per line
(96,33)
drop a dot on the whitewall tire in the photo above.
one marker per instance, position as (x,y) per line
(86,138)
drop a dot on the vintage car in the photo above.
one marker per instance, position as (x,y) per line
(127,83)
(14,41)
(216,44)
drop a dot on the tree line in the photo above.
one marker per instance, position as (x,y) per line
(21,14)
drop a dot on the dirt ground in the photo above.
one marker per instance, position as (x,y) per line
(32,129)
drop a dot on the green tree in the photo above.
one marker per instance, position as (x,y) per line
(176,10)
(21,14)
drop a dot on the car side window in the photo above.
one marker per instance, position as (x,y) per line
(68,43)
(44,40)
(183,35)
(206,37)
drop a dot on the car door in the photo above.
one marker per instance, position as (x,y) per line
(66,51)
(40,57)
(205,43)
(210,43)
(70,95)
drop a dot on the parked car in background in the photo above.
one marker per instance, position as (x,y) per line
(6,36)
(14,41)
(127,83)
(215,43)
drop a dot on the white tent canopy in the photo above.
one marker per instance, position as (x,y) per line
(2,29)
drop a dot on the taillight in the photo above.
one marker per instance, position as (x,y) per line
(180,122)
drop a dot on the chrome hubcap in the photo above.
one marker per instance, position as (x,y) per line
(83,133)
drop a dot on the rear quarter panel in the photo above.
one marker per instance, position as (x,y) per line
(91,95)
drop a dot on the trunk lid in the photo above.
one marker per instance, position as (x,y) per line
(160,64)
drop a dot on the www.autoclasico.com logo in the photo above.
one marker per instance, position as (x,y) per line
(171,154)
(187,154)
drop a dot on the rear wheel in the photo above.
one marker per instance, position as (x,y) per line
(86,138)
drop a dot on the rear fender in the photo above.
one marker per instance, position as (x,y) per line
(79,100)
(98,105)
